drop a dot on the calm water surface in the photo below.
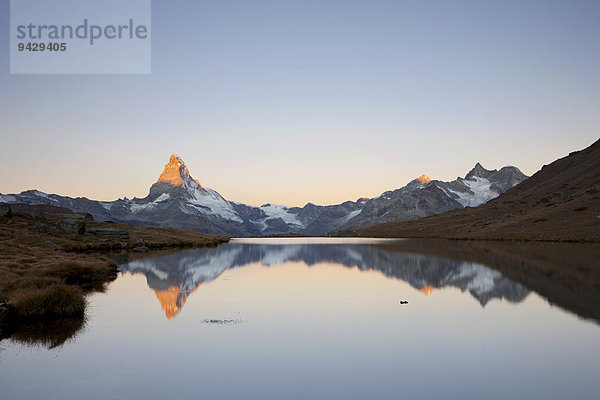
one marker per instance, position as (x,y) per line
(312,319)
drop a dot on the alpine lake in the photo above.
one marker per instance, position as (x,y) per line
(328,318)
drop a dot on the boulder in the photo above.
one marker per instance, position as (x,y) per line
(34,213)
(76,215)
(40,227)
(51,245)
(141,248)
(5,210)
(72,226)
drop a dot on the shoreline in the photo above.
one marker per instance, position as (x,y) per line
(51,258)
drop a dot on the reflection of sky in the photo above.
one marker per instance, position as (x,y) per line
(323,332)
(278,101)
(176,276)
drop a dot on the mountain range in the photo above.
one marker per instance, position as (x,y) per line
(559,202)
(180,201)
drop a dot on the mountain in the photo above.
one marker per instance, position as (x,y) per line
(175,276)
(178,200)
(559,202)
(423,197)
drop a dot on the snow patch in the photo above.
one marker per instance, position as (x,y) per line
(135,208)
(482,192)
(7,198)
(40,194)
(351,215)
(276,211)
(162,197)
(208,201)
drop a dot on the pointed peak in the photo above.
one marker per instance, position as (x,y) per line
(478,170)
(176,172)
(175,159)
(423,178)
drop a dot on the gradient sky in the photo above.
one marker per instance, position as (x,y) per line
(323,101)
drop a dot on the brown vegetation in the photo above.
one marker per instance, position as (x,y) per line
(45,272)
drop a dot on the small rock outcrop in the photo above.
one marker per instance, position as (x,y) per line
(72,226)
(51,245)
(5,210)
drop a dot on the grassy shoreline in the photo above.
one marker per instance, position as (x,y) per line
(51,258)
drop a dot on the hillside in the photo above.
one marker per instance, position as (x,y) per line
(559,202)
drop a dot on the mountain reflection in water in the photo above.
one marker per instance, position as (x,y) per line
(175,276)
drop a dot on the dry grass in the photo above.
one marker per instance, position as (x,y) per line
(41,283)
(50,302)
(48,334)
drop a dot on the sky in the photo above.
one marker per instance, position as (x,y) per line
(290,102)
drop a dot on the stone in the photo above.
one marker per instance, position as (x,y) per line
(41,227)
(141,248)
(51,245)
(37,214)
(5,210)
(72,226)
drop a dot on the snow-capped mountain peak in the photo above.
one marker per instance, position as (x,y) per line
(176,173)
(478,171)
(178,200)
(423,178)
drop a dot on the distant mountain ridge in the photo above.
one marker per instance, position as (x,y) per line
(178,200)
(559,202)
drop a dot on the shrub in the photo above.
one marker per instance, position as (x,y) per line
(90,276)
(48,334)
(56,301)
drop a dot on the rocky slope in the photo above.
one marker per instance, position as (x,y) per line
(178,200)
(559,202)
